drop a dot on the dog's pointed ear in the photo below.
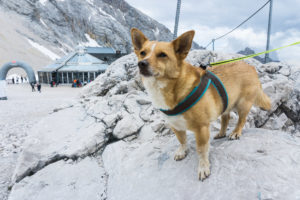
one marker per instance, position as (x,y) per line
(183,44)
(138,39)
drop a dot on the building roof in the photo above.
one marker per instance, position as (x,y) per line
(79,61)
(100,50)
(84,59)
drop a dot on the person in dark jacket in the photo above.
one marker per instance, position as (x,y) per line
(39,86)
(32,87)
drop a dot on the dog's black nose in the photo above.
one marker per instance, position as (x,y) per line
(143,64)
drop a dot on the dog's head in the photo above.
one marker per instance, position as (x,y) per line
(161,59)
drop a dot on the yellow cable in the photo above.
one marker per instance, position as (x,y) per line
(252,55)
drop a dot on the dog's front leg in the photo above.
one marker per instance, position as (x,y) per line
(182,150)
(202,142)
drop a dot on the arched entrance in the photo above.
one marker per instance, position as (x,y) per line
(7,66)
(4,70)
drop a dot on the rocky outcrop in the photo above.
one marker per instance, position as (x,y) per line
(278,80)
(65,179)
(251,168)
(66,134)
(115,122)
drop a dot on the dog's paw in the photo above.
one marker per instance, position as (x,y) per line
(203,171)
(235,136)
(181,153)
(219,136)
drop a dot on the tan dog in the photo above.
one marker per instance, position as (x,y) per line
(168,79)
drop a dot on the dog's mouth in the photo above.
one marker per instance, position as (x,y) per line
(148,72)
(145,72)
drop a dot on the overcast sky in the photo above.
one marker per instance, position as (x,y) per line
(212,18)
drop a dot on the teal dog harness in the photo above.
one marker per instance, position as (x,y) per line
(198,92)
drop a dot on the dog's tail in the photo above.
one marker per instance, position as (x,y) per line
(262,100)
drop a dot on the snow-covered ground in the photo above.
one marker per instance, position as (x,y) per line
(18,114)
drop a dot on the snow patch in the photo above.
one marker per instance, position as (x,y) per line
(156,33)
(43,49)
(43,2)
(91,42)
(42,21)
(90,2)
(106,14)
(63,51)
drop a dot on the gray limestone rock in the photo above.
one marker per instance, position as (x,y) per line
(263,164)
(127,126)
(76,180)
(69,133)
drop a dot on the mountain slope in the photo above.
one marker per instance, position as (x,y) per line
(15,46)
(68,23)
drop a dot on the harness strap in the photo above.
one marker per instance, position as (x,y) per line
(220,88)
(198,93)
(191,99)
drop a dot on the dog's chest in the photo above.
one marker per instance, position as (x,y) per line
(153,88)
(177,122)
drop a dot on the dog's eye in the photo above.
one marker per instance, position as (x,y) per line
(143,53)
(162,55)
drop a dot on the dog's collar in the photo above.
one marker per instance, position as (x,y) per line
(198,92)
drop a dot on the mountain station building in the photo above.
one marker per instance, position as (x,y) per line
(84,64)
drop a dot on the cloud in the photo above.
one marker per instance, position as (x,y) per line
(290,54)
(248,37)
(213,18)
(240,38)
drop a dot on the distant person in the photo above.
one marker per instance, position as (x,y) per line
(52,83)
(21,79)
(39,86)
(13,80)
(32,87)
(75,83)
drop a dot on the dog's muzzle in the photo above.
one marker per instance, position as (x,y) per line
(144,68)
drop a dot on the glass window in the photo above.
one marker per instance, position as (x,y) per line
(40,75)
(80,76)
(64,77)
(45,78)
(91,76)
(70,77)
(86,78)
